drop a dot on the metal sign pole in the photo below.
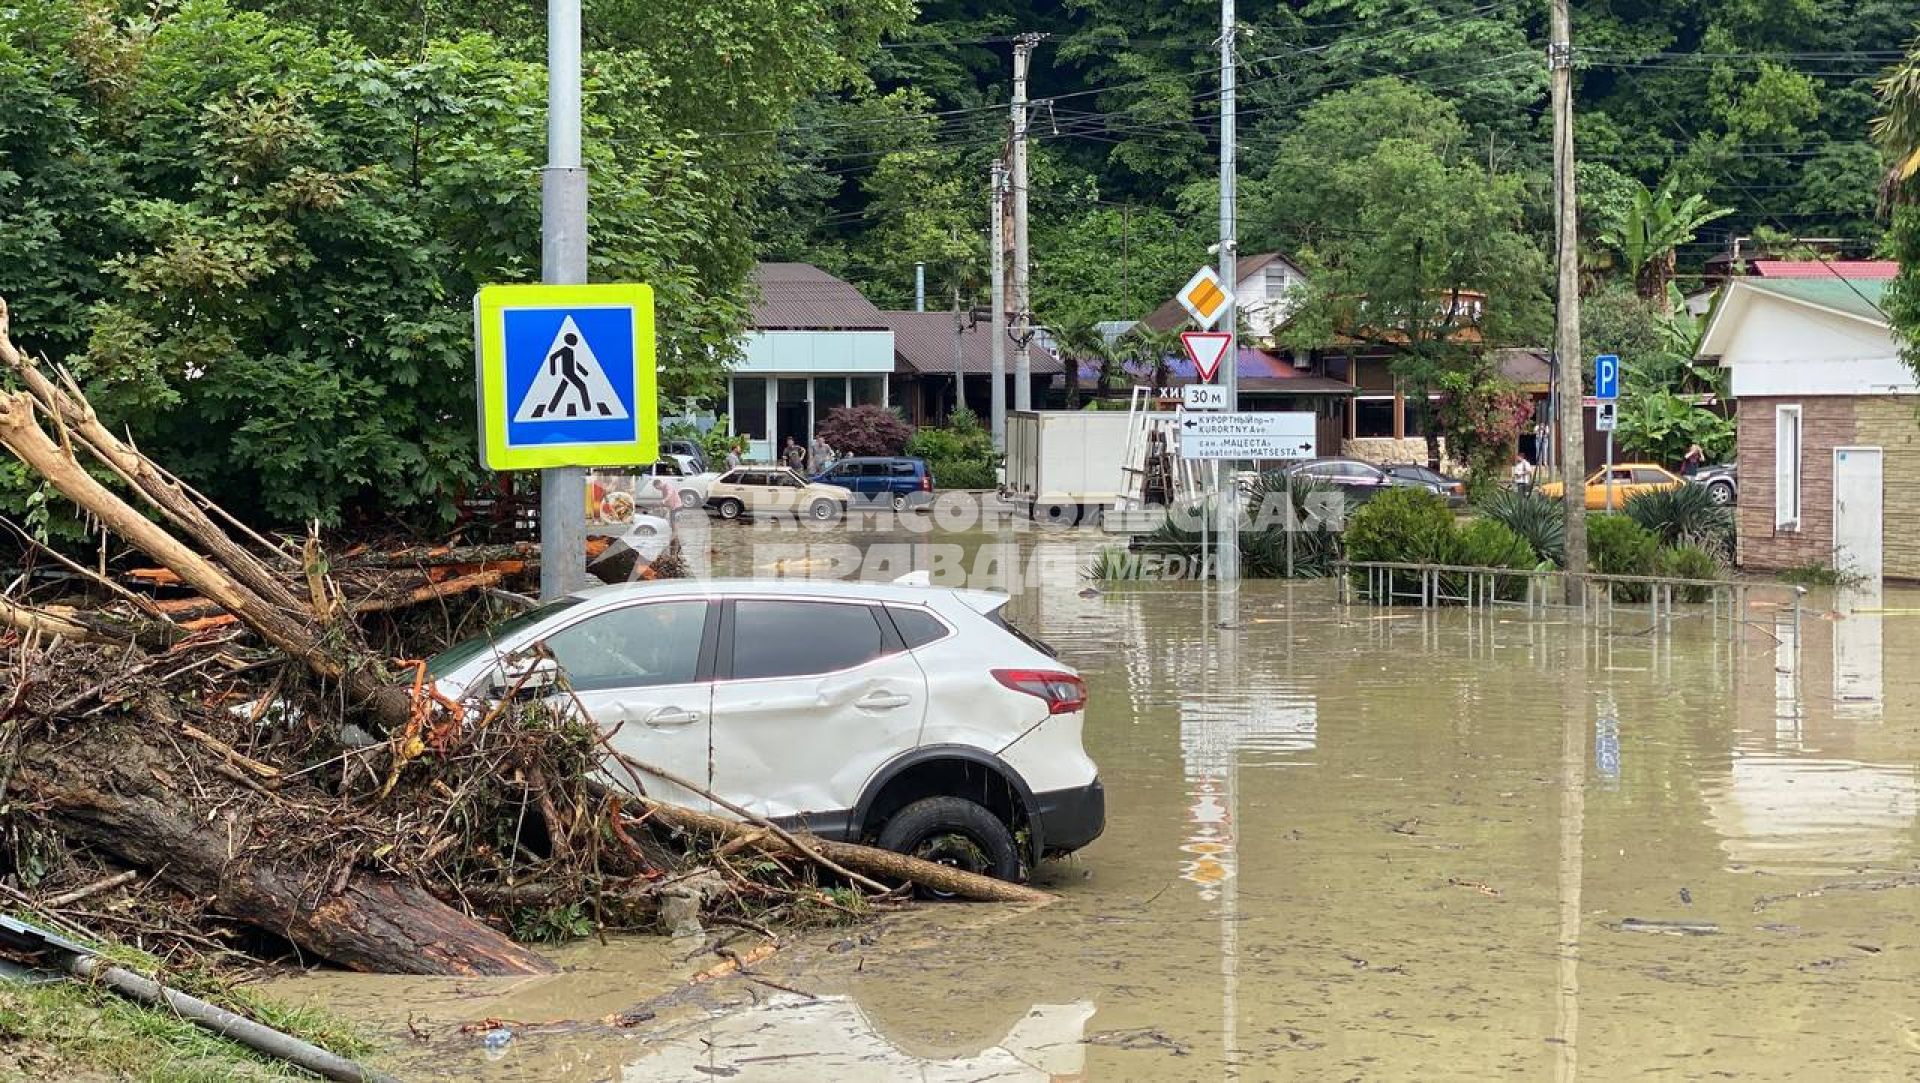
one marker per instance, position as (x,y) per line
(563,261)
(1609,468)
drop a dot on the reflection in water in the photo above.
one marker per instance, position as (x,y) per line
(1776,812)
(1856,653)
(833,1038)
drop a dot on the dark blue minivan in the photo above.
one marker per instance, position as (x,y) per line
(896,481)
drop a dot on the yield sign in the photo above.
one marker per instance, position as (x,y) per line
(1206,348)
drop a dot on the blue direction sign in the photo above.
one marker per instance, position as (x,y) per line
(1606,376)
(566,376)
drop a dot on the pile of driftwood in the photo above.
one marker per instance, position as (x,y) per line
(246,766)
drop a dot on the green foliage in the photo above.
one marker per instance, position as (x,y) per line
(1401,526)
(1485,543)
(256,244)
(1656,224)
(964,474)
(864,430)
(553,924)
(1540,521)
(1483,417)
(1686,515)
(1616,545)
(960,454)
(1691,562)
(1659,425)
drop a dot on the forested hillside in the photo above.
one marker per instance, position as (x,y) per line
(251,227)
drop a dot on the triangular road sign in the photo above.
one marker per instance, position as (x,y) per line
(1206,348)
(570,384)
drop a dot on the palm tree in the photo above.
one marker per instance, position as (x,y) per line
(1656,225)
(1155,349)
(1897,130)
(1078,341)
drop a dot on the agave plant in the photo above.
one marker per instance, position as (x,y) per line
(1685,515)
(1263,539)
(1538,519)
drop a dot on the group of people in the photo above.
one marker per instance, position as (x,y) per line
(809,460)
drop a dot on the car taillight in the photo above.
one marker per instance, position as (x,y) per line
(1459,489)
(1063,692)
(926,483)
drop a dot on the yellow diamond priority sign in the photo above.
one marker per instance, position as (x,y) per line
(1205,297)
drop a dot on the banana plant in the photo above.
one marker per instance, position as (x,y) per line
(1655,226)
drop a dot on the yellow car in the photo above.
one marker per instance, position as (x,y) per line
(1629,481)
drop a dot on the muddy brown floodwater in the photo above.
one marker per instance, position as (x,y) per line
(1342,844)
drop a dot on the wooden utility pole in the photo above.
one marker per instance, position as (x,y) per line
(1568,364)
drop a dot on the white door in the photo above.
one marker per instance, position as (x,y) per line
(644,674)
(813,696)
(1856,510)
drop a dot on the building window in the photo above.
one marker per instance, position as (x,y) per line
(869,390)
(1786,468)
(749,407)
(829,394)
(1373,416)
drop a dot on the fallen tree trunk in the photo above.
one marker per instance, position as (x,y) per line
(867,860)
(123,796)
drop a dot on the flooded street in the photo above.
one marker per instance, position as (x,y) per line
(1343,843)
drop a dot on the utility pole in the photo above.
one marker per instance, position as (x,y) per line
(999,299)
(1022,296)
(563,261)
(1566,338)
(959,355)
(1228,559)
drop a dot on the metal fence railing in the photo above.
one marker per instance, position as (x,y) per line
(1597,598)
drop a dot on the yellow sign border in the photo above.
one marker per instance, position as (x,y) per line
(490,306)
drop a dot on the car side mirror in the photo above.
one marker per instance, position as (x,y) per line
(528,676)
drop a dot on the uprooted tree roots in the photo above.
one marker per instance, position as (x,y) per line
(248,762)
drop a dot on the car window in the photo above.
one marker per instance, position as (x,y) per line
(1320,470)
(1649,476)
(789,639)
(905,470)
(752,477)
(666,468)
(734,477)
(1360,471)
(917,627)
(466,651)
(634,646)
(789,479)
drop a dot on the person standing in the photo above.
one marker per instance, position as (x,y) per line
(819,456)
(733,455)
(1522,474)
(1695,458)
(793,455)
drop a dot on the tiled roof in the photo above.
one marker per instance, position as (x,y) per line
(802,297)
(1855,296)
(923,343)
(1526,367)
(1815,268)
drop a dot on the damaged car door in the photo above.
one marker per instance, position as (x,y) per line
(645,674)
(812,696)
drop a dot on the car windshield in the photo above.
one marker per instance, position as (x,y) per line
(468,649)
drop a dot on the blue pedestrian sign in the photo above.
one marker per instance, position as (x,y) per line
(1606,376)
(566,376)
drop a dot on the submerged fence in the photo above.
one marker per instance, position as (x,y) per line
(1595,597)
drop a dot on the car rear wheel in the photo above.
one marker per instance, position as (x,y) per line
(822,510)
(1721,492)
(689,498)
(730,508)
(954,831)
(899,502)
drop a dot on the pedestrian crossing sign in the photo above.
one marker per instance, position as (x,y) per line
(566,376)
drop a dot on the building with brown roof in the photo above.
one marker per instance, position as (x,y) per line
(928,348)
(815,343)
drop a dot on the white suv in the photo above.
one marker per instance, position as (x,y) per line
(915,718)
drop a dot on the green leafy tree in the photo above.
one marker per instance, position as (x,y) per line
(1410,245)
(1656,224)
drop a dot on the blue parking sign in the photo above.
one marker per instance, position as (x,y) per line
(566,376)
(1606,376)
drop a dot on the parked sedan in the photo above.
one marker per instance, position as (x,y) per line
(1359,480)
(1722,482)
(1453,490)
(774,490)
(1629,481)
(914,717)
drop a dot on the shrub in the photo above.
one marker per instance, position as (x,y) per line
(1539,519)
(1403,526)
(1485,543)
(1616,545)
(953,442)
(963,474)
(1685,515)
(1318,517)
(1819,573)
(864,430)
(1691,562)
